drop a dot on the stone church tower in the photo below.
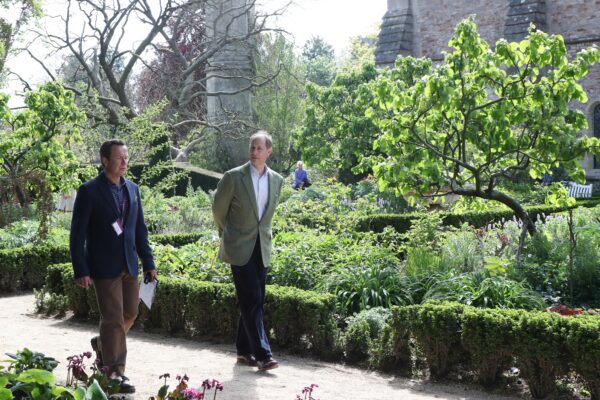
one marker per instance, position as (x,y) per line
(423,28)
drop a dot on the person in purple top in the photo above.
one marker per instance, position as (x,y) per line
(300,177)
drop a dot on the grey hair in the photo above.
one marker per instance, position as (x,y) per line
(263,135)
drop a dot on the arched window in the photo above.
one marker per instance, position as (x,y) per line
(596,126)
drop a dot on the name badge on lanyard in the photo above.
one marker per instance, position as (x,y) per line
(118,224)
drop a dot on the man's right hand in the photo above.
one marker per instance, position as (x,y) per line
(85,282)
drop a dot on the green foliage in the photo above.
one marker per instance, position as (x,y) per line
(336,133)
(35,147)
(478,219)
(482,115)
(436,329)
(298,319)
(583,339)
(26,359)
(482,290)
(357,341)
(177,214)
(50,303)
(541,350)
(320,61)
(279,103)
(10,30)
(25,267)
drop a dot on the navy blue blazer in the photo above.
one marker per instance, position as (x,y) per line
(96,250)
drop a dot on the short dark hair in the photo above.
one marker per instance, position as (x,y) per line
(263,135)
(106,148)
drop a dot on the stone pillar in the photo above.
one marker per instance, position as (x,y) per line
(229,72)
(396,34)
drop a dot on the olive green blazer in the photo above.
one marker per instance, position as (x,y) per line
(236,215)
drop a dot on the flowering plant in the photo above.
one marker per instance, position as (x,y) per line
(183,392)
(564,310)
(76,372)
(307,392)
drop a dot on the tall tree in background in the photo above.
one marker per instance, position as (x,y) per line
(22,11)
(336,132)
(165,26)
(320,61)
(361,50)
(279,105)
(483,116)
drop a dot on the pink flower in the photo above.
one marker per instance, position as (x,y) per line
(191,394)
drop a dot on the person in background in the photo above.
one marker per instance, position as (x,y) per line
(243,210)
(300,177)
(108,233)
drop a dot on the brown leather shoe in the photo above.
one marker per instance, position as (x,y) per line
(247,359)
(269,363)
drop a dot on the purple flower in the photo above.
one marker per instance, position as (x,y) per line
(191,394)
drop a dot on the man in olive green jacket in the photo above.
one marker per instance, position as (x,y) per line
(243,210)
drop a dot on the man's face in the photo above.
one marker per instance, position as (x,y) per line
(259,152)
(116,165)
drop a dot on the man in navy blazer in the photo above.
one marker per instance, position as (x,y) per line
(108,233)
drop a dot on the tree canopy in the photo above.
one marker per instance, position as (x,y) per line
(34,146)
(483,116)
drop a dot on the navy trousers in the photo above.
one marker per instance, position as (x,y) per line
(249,283)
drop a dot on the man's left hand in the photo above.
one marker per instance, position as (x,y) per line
(151,274)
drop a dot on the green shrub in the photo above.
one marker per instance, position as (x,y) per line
(25,267)
(363,330)
(437,330)
(488,336)
(541,351)
(584,346)
(478,219)
(357,341)
(295,319)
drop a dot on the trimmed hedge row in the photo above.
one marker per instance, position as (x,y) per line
(25,267)
(544,346)
(295,319)
(403,222)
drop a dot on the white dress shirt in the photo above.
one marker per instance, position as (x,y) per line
(261,189)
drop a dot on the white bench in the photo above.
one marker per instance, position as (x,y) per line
(577,190)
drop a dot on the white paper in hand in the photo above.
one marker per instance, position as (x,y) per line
(147,291)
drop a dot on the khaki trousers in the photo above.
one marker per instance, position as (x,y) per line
(118,300)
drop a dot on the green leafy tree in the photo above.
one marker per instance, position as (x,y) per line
(482,117)
(23,11)
(320,61)
(337,133)
(35,157)
(361,50)
(279,104)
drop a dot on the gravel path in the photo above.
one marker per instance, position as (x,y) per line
(151,355)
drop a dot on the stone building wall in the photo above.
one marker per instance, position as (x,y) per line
(577,20)
(436,20)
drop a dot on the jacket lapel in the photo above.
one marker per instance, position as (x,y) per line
(130,197)
(247,181)
(272,191)
(103,186)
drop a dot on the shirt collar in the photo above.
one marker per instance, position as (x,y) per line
(110,184)
(254,171)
